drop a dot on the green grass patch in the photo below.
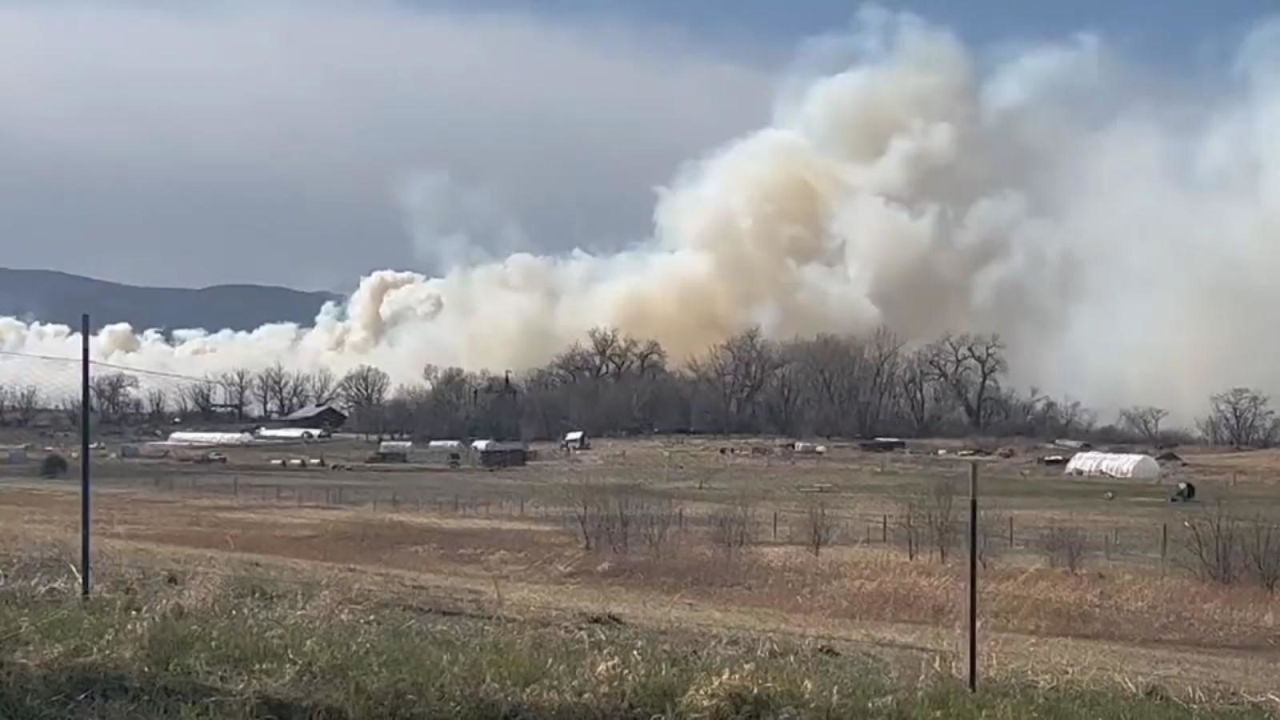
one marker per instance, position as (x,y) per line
(245,648)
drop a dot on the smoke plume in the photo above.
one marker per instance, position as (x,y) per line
(1118,230)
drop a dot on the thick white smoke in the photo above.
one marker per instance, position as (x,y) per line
(1120,232)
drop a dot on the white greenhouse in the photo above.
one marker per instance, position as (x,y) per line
(210,438)
(1116,465)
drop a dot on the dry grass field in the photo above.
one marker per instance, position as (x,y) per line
(684,540)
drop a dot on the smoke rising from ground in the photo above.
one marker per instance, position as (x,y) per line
(1119,231)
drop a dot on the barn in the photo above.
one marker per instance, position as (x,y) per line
(1115,465)
(325,417)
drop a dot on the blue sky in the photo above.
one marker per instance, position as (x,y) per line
(1186,32)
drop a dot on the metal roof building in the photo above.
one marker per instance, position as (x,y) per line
(316,416)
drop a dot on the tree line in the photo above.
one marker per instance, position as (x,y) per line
(611,383)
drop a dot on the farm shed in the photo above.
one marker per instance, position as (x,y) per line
(575,440)
(494,453)
(1116,465)
(316,416)
(394,451)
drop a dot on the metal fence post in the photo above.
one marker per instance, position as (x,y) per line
(973,576)
(86,584)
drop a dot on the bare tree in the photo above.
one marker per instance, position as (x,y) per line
(112,395)
(200,397)
(970,366)
(181,404)
(832,368)
(923,396)
(157,404)
(237,388)
(1072,417)
(364,390)
(270,389)
(819,528)
(783,399)
(71,408)
(1143,421)
(881,361)
(737,372)
(1241,417)
(26,403)
(322,386)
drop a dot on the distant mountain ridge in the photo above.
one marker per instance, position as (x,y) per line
(56,297)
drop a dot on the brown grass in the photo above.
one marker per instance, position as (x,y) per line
(1121,618)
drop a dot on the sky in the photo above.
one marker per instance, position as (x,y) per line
(307,143)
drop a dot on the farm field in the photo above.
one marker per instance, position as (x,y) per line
(671,537)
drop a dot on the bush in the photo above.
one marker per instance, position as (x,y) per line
(1213,545)
(733,527)
(54,466)
(1262,551)
(819,528)
(1065,547)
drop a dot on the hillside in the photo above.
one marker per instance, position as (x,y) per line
(57,297)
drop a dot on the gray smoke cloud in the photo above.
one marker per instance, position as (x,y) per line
(1122,238)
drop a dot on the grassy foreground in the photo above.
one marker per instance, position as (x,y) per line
(167,645)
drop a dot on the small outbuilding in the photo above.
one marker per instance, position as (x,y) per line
(496,454)
(394,451)
(1114,465)
(575,440)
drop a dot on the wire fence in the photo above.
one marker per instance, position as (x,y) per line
(40,413)
(42,407)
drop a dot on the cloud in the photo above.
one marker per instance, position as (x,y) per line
(195,143)
(1122,238)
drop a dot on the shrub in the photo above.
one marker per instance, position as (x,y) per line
(1065,547)
(54,466)
(1213,545)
